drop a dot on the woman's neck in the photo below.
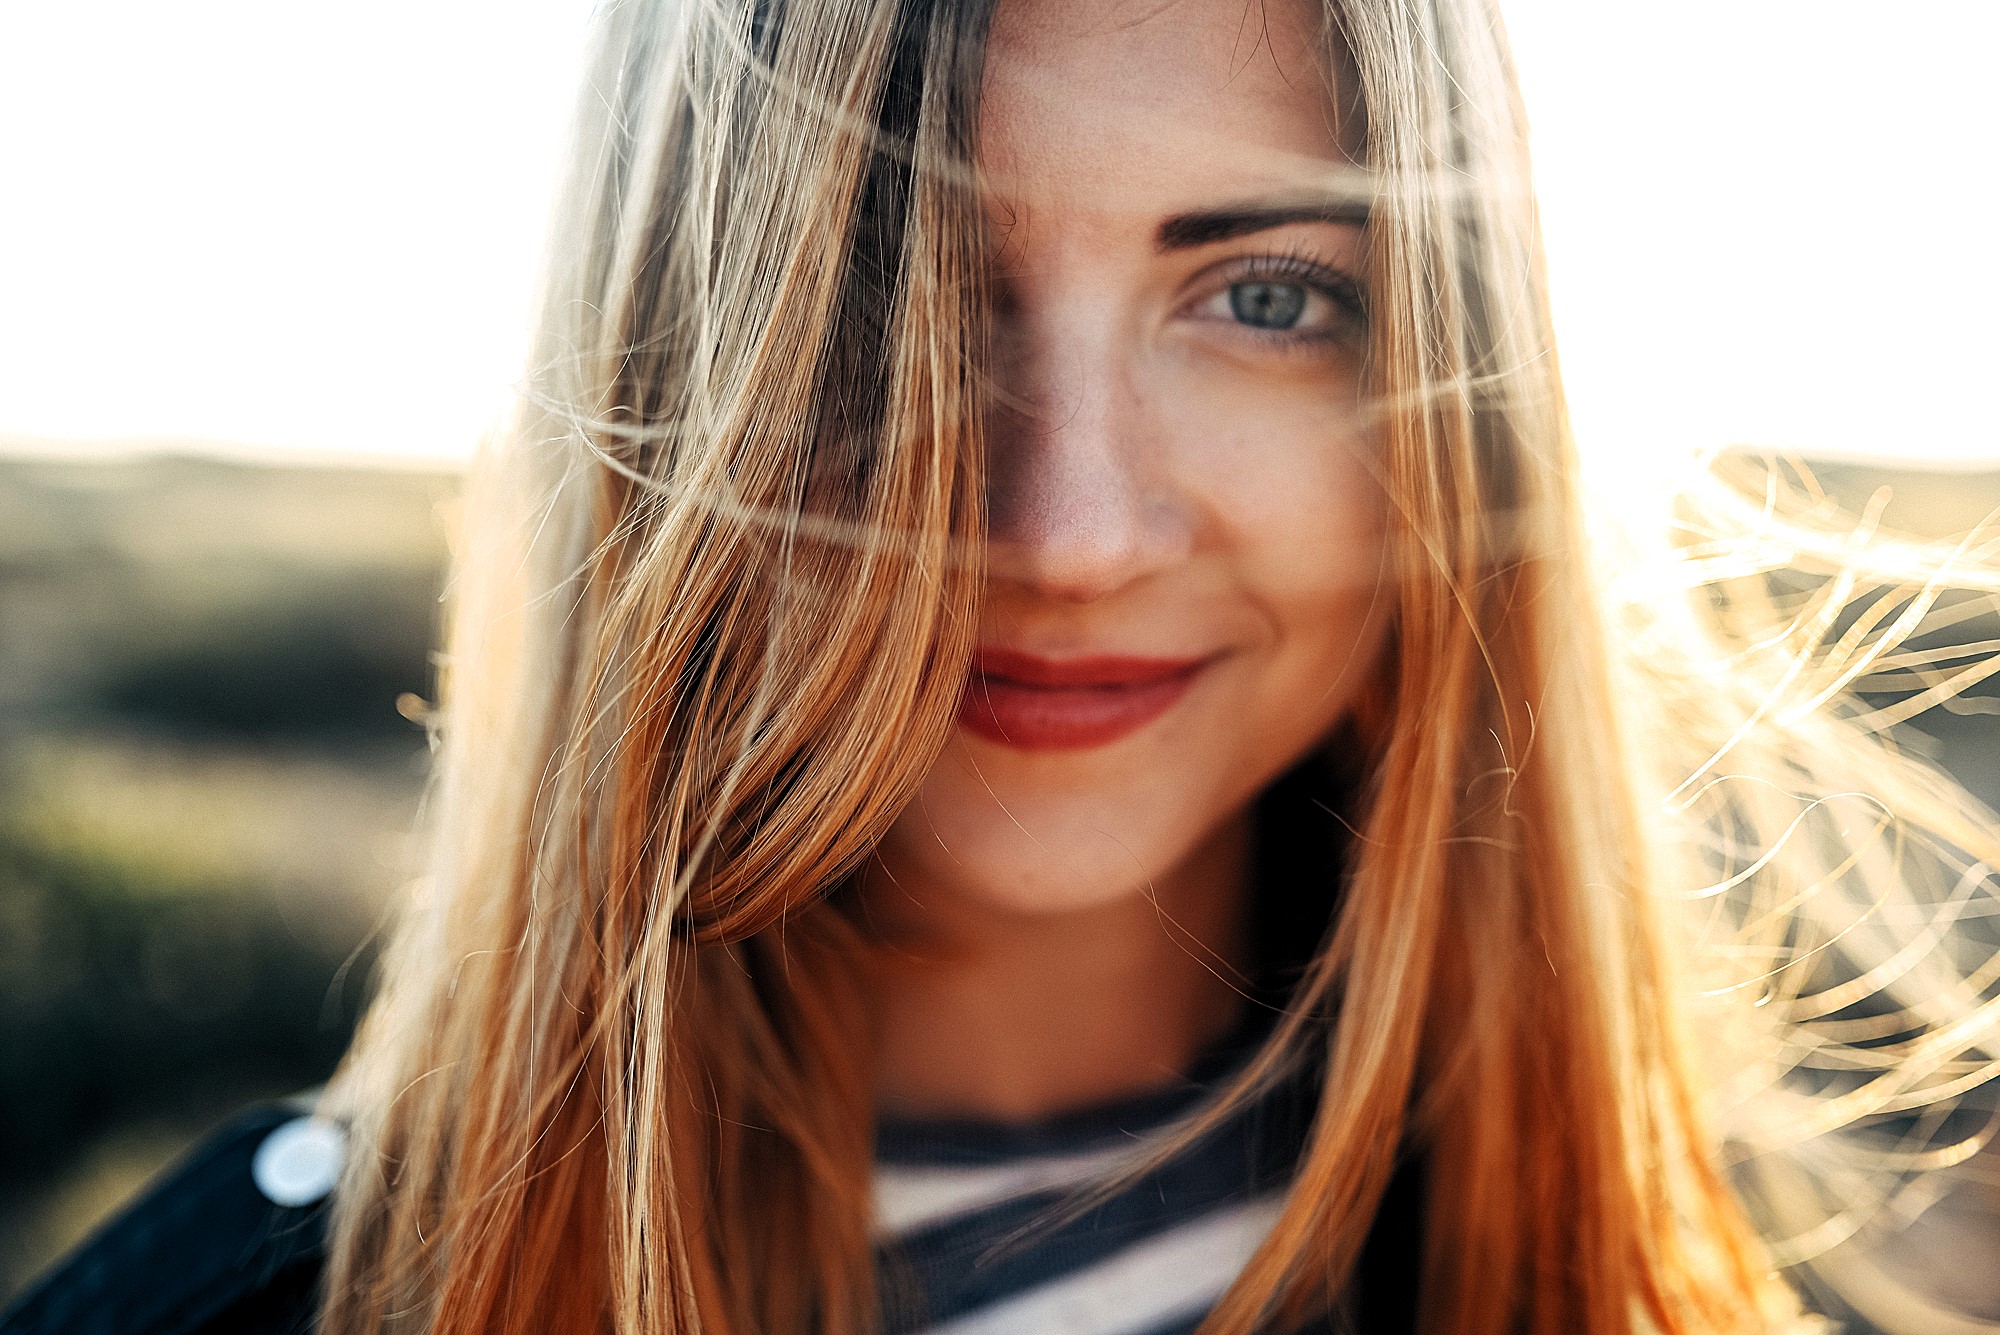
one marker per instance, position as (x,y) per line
(996,1015)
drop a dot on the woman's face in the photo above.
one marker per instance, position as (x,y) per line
(1186,527)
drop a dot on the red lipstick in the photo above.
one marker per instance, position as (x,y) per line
(1050,704)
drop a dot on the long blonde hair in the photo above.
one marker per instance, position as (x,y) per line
(714,600)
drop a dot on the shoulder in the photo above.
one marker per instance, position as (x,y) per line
(228,1241)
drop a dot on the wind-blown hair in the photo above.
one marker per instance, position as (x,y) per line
(714,603)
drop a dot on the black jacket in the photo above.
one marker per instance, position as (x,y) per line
(202,1251)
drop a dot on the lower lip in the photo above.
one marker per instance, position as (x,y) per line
(1034,716)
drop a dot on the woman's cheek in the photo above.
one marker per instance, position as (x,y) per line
(1296,496)
(1290,478)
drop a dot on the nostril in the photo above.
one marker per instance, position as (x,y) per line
(1076,528)
(1072,571)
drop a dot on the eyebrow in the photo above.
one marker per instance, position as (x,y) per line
(1205,227)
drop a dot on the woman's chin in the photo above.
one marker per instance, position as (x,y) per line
(1030,862)
(1049,835)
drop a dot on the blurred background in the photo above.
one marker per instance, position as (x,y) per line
(264,281)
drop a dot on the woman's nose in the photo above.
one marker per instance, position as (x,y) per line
(1080,503)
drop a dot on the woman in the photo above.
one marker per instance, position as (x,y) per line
(1034,624)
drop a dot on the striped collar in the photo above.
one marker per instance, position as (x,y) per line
(980,1231)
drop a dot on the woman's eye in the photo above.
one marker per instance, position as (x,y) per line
(1263,305)
(1287,308)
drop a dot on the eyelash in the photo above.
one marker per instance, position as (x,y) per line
(1342,289)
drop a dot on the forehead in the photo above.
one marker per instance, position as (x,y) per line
(1139,106)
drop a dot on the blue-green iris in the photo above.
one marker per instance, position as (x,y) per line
(1267,305)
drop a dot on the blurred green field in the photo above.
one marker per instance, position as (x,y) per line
(207,796)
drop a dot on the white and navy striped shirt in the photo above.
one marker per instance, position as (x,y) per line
(973,1240)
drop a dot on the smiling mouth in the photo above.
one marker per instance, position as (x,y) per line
(1047,704)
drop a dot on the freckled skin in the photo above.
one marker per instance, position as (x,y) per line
(1164,480)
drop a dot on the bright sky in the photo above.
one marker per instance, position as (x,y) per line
(314,227)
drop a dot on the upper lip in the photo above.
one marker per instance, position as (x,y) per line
(1026,669)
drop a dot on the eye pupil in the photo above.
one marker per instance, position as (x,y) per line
(1267,305)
